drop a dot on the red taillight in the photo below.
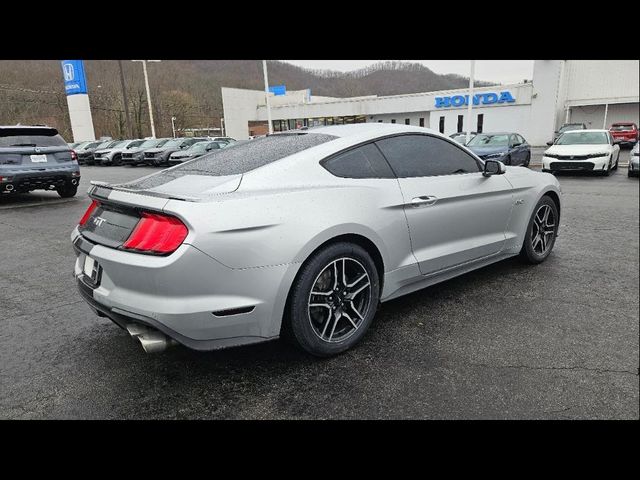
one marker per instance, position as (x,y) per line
(157,233)
(74,155)
(87,214)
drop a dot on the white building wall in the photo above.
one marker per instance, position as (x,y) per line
(496,119)
(239,106)
(414,118)
(596,82)
(545,115)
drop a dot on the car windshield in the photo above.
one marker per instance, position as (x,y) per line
(81,145)
(118,144)
(489,141)
(568,128)
(198,147)
(173,143)
(583,138)
(151,143)
(621,128)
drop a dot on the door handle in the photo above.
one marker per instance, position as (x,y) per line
(423,201)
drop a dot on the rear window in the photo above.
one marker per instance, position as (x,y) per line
(622,127)
(31,137)
(236,159)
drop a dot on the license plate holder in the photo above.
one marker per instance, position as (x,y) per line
(38,158)
(92,271)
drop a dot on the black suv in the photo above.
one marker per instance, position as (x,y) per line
(36,158)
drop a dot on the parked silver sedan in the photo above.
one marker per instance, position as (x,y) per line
(302,234)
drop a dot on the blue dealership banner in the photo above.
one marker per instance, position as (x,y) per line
(73,75)
(278,90)
(489,98)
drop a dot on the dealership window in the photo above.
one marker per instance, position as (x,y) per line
(393,120)
(425,156)
(460,123)
(480,122)
(441,126)
(422,122)
(407,121)
(361,162)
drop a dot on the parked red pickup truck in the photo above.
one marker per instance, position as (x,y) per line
(625,133)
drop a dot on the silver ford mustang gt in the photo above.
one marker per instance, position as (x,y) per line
(302,234)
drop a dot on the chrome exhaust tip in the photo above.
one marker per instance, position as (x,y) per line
(152,341)
(8,187)
(74,182)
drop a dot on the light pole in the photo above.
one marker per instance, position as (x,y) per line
(471,73)
(173,126)
(146,84)
(266,94)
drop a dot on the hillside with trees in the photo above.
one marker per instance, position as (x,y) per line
(32,92)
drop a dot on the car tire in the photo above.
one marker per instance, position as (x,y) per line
(328,323)
(527,160)
(531,251)
(615,167)
(67,191)
(607,171)
(117,160)
(507,160)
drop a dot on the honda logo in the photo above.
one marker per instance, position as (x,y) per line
(68,72)
(98,221)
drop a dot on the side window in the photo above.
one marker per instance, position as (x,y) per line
(361,162)
(512,140)
(425,156)
(520,139)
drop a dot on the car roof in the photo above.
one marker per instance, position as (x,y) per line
(591,130)
(498,133)
(362,130)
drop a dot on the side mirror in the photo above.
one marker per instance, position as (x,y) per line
(549,144)
(516,144)
(493,167)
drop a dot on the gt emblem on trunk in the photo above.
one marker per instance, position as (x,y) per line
(98,221)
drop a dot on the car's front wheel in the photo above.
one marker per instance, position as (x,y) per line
(333,300)
(541,233)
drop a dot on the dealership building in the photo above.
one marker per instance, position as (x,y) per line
(595,92)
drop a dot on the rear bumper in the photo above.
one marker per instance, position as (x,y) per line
(187,295)
(26,181)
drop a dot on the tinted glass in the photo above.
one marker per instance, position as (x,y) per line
(485,140)
(31,137)
(568,128)
(239,158)
(583,138)
(361,162)
(423,156)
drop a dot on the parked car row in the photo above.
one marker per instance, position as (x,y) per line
(157,152)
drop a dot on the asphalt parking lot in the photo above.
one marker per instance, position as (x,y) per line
(510,341)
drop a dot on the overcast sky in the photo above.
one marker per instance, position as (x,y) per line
(502,71)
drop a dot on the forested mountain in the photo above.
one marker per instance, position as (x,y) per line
(32,91)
